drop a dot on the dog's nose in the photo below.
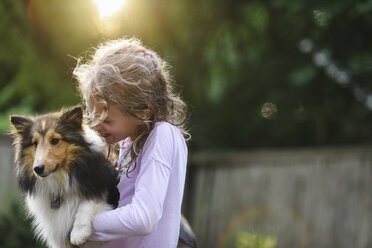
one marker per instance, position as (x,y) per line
(39,169)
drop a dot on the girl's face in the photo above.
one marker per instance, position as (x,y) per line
(117,126)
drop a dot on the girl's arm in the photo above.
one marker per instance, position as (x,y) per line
(143,214)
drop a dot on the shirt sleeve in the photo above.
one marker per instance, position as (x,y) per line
(142,215)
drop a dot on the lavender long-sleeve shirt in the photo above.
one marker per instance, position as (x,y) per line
(149,208)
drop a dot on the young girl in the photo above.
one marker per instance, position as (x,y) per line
(130,101)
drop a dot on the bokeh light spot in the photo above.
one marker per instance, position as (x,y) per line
(321,18)
(269,111)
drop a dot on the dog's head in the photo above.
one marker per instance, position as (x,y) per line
(47,143)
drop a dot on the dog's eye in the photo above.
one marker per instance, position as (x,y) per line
(54,141)
(34,144)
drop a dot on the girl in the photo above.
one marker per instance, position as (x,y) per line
(129,99)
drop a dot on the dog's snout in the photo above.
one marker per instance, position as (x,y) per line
(39,169)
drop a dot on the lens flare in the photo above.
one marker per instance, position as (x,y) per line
(263,224)
(108,8)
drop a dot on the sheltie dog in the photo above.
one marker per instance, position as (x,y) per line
(62,169)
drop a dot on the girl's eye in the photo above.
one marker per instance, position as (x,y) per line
(34,144)
(54,141)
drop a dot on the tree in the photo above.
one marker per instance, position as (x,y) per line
(29,81)
(255,73)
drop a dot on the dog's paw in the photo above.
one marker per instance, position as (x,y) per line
(80,234)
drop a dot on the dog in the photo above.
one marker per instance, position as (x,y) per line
(62,169)
(187,238)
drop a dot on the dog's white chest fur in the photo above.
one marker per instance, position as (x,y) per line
(69,223)
(53,225)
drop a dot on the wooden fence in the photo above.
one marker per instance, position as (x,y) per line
(295,198)
(8,186)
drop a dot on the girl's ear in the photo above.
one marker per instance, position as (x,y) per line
(72,116)
(147,113)
(20,122)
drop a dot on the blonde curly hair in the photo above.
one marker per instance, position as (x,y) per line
(125,73)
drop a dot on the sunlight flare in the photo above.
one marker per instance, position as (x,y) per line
(108,8)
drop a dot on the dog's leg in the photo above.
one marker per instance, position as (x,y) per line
(82,227)
(85,214)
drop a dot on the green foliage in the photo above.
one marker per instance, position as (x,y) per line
(30,82)
(249,240)
(310,60)
(16,231)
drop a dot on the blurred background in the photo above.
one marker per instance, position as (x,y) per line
(280,95)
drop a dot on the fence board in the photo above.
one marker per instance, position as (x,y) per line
(8,188)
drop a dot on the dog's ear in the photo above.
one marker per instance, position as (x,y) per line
(73,117)
(20,123)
